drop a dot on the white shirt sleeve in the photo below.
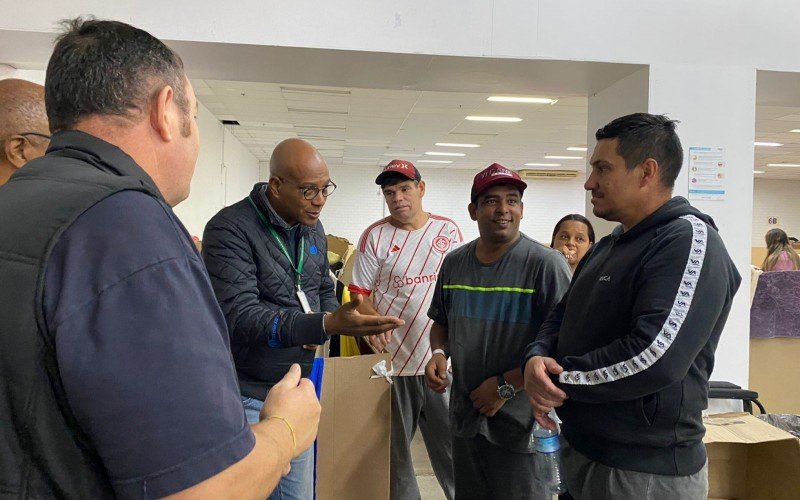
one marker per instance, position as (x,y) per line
(365,268)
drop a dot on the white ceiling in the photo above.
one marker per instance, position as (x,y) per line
(414,101)
(778,112)
(368,127)
(365,108)
(373,107)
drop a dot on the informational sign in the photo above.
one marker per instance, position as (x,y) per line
(707,172)
(772,221)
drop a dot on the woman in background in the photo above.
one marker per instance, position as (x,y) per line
(780,254)
(573,236)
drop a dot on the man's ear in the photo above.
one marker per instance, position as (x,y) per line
(274,185)
(651,172)
(473,211)
(422,188)
(160,116)
(14,149)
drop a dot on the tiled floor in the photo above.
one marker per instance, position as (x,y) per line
(429,488)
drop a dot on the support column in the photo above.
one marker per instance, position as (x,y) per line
(624,97)
(716,107)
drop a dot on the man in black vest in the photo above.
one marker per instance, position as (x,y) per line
(116,371)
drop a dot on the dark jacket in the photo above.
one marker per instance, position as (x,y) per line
(255,286)
(44,452)
(636,335)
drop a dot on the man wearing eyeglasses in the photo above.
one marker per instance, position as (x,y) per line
(24,133)
(267,259)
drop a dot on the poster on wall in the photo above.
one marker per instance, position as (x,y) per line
(707,173)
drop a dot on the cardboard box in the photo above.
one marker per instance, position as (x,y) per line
(770,362)
(354,430)
(346,277)
(340,246)
(748,459)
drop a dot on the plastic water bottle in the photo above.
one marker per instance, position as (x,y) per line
(548,458)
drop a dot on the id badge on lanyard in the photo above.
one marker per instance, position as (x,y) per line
(301,296)
(298,269)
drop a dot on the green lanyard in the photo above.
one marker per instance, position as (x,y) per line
(298,270)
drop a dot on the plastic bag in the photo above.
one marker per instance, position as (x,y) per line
(784,421)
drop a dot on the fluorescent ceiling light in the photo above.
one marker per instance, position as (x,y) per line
(797,130)
(758,171)
(768,144)
(783,164)
(507,119)
(542,164)
(577,148)
(556,157)
(457,145)
(434,161)
(439,153)
(525,100)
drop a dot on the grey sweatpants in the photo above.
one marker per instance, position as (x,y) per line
(590,480)
(415,405)
(485,471)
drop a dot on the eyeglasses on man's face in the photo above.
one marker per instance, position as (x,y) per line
(311,192)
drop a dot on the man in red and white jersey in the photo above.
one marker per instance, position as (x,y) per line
(396,266)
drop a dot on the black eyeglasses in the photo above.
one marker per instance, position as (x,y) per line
(36,134)
(311,192)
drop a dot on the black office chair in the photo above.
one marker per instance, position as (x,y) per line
(727,390)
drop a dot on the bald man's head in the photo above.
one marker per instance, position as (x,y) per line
(297,171)
(23,125)
(292,156)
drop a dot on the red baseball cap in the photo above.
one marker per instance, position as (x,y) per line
(402,167)
(492,175)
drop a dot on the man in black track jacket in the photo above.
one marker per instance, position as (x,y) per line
(626,355)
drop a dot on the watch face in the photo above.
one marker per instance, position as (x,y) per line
(505,392)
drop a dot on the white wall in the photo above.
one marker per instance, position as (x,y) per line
(241,169)
(775,198)
(718,113)
(32,75)
(626,96)
(225,173)
(357,202)
(720,32)
(354,205)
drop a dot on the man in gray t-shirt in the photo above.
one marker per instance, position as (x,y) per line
(491,296)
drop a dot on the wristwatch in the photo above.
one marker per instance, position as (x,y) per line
(504,389)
